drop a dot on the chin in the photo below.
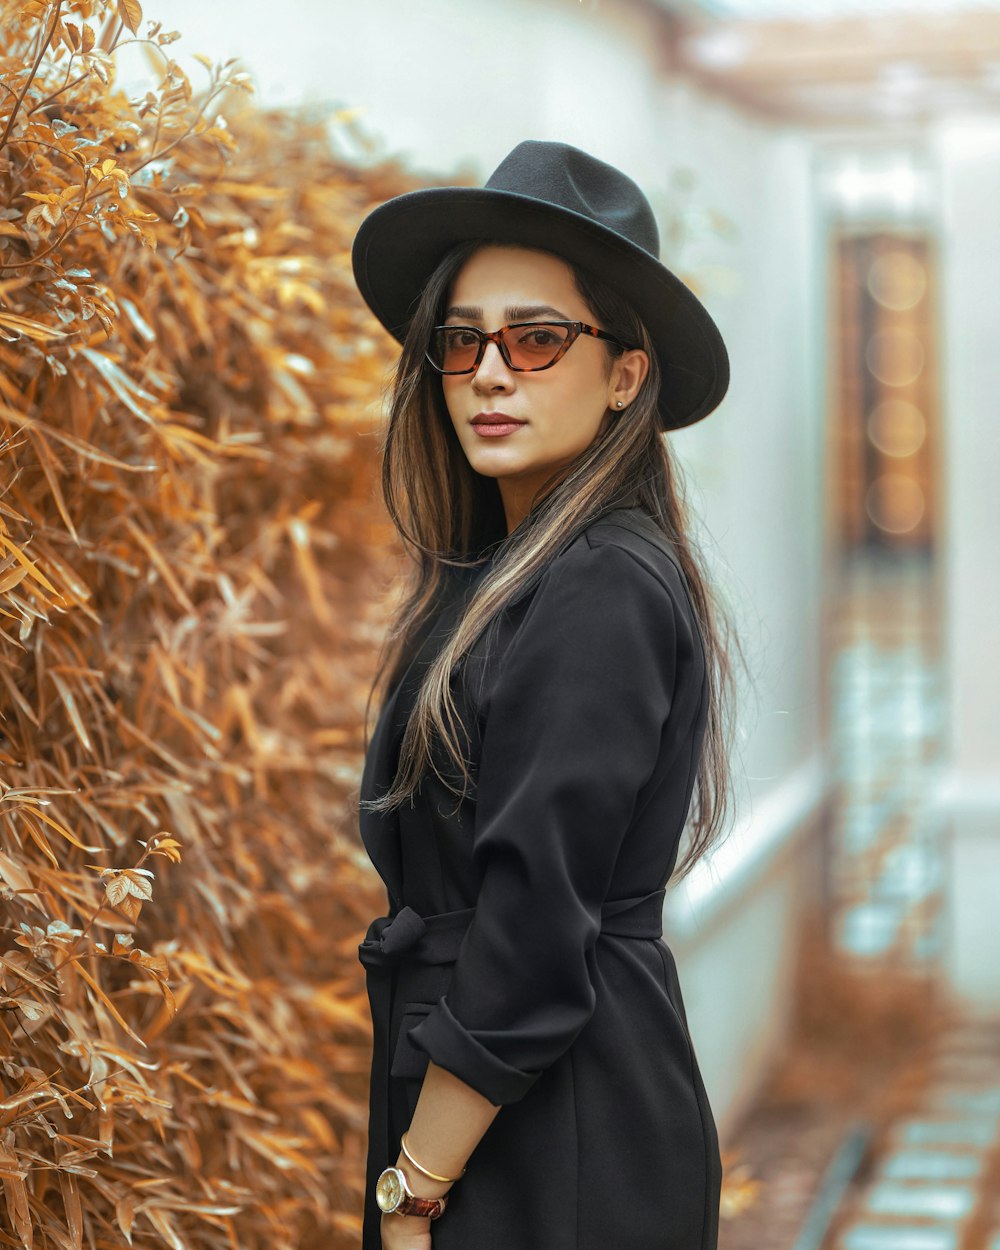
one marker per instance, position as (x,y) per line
(494,466)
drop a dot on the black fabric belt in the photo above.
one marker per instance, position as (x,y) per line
(430,940)
(423,943)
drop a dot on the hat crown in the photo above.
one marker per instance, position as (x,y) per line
(568,178)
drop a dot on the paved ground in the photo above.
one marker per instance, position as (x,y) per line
(928,1089)
(934,1178)
(861,1055)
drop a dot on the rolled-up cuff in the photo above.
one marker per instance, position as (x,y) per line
(451,1046)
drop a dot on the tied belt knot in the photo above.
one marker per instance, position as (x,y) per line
(436,939)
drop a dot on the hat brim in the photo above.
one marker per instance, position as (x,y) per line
(401,242)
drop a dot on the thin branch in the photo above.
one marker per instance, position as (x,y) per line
(152,43)
(109,47)
(56,94)
(180,138)
(69,66)
(156,128)
(31,77)
(42,143)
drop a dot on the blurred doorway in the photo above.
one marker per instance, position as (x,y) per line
(887,418)
(888,867)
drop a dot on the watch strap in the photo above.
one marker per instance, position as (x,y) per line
(411,1205)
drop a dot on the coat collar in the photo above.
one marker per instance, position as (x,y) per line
(629,515)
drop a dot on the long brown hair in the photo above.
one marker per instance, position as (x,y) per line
(448,516)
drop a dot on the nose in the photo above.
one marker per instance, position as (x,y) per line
(493,372)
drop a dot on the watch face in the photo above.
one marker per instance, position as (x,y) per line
(388,1191)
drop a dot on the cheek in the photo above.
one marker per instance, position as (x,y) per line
(582,412)
(450,392)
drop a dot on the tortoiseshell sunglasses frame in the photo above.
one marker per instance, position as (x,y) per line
(575,328)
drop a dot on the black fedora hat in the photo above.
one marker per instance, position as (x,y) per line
(559,198)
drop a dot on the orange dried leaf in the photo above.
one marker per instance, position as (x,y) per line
(107,1003)
(18,1211)
(169,847)
(36,330)
(70,704)
(38,838)
(138,882)
(130,907)
(125,1210)
(59,828)
(15,876)
(116,890)
(73,1208)
(164,1225)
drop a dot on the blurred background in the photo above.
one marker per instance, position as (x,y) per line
(827,177)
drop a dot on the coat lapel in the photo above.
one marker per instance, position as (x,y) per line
(380,830)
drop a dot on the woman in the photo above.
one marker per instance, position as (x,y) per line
(554,704)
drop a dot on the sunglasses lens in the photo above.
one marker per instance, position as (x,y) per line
(453,349)
(534,346)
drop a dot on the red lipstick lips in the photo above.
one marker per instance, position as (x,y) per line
(495,424)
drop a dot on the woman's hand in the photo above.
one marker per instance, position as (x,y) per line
(452,1117)
(406,1232)
(412,1232)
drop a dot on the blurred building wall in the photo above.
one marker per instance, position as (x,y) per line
(459,83)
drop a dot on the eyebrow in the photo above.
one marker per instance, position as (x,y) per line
(522,312)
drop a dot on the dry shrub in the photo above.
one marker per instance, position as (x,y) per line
(189,553)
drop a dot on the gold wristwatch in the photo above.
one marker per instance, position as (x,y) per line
(394,1197)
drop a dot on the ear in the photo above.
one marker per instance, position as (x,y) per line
(627,376)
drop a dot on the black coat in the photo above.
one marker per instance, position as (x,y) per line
(585,713)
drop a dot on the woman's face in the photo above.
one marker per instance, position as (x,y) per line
(555,413)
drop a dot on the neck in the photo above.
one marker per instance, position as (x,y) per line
(521,496)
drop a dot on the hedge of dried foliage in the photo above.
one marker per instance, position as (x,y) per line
(189,392)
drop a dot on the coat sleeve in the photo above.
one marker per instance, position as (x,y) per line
(573,729)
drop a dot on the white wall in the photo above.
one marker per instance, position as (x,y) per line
(445,83)
(735,927)
(968,154)
(441,82)
(739,1022)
